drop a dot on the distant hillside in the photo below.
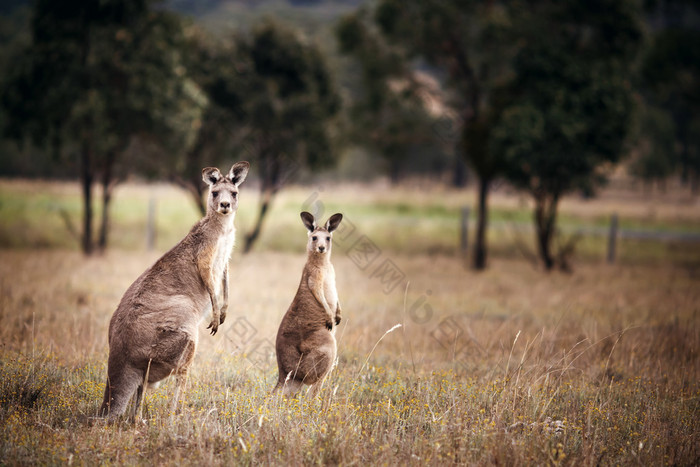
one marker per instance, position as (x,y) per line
(316,9)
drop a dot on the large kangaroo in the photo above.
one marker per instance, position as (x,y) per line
(153,333)
(306,346)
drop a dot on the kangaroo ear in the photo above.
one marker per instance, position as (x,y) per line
(211,175)
(334,222)
(238,172)
(308,219)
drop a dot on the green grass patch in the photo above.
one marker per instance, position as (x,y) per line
(395,221)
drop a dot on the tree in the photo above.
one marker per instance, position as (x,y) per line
(214,67)
(289,109)
(272,101)
(467,42)
(670,78)
(570,104)
(95,75)
(656,156)
(391,115)
(147,94)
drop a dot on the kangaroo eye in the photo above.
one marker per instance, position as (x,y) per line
(328,238)
(234,195)
(314,238)
(215,194)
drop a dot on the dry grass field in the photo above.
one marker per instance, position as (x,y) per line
(511,366)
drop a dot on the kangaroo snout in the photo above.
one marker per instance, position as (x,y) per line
(321,249)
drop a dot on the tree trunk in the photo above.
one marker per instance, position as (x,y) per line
(270,174)
(545,221)
(192,181)
(194,167)
(198,194)
(87,156)
(194,188)
(86,182)
(482,214)
(685,150)
(252,236)
(459,175)
(107,188)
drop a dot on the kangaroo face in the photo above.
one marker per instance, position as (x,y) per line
(223,197)
(223,190)
(319,241)
(320,238)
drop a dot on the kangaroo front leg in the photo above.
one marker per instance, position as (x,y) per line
(224,305)
(206,273)
(215,310)
(317,291)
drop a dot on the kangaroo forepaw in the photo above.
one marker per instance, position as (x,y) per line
(214,325)
(222,317)
(337,320)
(329,325)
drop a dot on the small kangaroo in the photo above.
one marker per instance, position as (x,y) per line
(305,345)
(153,333)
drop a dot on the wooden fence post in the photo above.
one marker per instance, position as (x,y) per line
(612,239)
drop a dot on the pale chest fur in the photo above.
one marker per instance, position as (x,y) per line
(222,254)
(329,289)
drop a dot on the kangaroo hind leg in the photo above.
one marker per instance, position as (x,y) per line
(181,373)
(119,390)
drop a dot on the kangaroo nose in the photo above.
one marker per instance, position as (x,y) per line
(322,249)
(225,204)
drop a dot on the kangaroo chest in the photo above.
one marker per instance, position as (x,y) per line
(329,289)
(222,254)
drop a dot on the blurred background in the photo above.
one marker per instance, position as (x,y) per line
(458,128)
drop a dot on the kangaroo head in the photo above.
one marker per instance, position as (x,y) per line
(223,190)
(320,237)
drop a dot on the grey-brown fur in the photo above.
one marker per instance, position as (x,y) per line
(306,346)
(154,329)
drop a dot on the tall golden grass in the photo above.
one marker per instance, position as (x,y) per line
(511,366)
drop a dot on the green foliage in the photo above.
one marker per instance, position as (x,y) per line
(656,159)
(469,43)
(670,80)
(94,77)
(670,68)
(569,107)
(271,100)
(390,117)
(570,103)
(291,97)
(270,92)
